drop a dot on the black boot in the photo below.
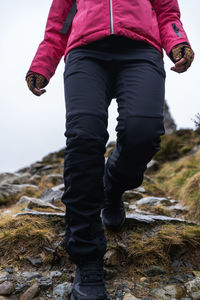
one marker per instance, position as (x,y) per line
(89,282)
(113,213)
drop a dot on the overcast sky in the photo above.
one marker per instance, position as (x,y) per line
(30,126)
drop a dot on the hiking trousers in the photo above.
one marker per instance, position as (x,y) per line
(133,73)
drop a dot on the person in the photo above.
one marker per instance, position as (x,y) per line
(112,49)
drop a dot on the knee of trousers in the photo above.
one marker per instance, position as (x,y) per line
(141,137)
(86,134)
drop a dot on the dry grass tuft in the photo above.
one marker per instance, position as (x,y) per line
(157,246)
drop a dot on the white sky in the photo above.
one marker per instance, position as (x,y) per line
(30,126)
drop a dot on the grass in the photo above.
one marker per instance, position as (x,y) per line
(180,179)
(158,246)
(177,144)
(27,236)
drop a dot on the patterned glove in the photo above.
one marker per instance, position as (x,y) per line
(182,51)
(35,80)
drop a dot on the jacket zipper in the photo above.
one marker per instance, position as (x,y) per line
(111,18)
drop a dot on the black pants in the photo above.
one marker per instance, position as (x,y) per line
(133,73)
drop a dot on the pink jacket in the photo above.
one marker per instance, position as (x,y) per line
(156,22)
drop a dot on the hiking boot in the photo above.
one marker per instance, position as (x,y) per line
(113,213)
(89,282)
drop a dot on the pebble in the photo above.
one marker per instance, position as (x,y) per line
(6,288)
(55,274)
(63,289)
(31,293)
(30,275)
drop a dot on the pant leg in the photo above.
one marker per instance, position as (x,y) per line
(87,96)
(139,89)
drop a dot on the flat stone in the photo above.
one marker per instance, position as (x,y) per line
(30,275)
(31,293)
(40,214)
(8,191)
(153,201)
(63,289)
(6,288)
(51,196)
(32,202)
(142,218)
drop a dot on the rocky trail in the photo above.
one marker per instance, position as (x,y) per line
(155,256)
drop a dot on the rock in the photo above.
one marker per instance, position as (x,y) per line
(22,179)
(154,271)
(160,294)
(56,274)
(35,179)
(44,282)
(30,275)
(174,291)
(63,289)
(51,196)
(169,124)
(12,191)
(8,177)
(40,213)
(3,276)
(60,187)
(9,269)
(111,258)
(34,202)
(31,293)
(4,298)
(54,179)
(129,296)
(140,189)
(153,201)
(35,261)
(153,165)
(193,288)
(142,218)
(6,288)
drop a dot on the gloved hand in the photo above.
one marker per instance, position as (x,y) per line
(182,55)
(36,82)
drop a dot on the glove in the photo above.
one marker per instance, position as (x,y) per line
(36,82)
(184,54)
